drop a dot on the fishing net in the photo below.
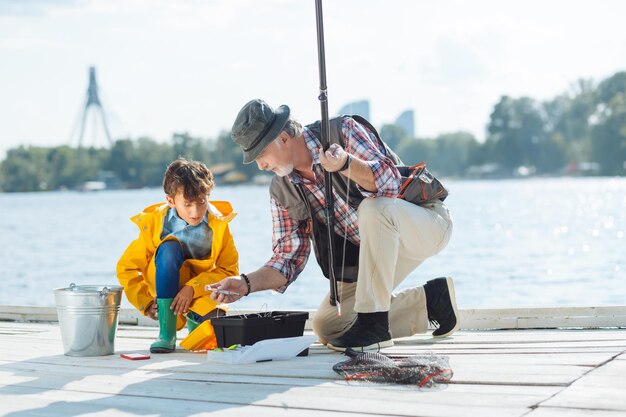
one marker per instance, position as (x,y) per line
(426,371)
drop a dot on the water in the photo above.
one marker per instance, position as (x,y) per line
(531,243)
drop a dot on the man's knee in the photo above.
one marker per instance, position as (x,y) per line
(327,327)
(330,326)
(375,211)
(320,327)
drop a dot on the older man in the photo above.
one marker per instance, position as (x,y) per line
(380,238)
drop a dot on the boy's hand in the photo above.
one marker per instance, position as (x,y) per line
(183,300)
(152,311)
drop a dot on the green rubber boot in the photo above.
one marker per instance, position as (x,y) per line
(191,323)
(166,343)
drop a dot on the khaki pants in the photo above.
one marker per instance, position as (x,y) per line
(396,237)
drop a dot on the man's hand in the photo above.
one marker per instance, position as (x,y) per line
(152,311)
(333,159)
(234,284)
(183,300)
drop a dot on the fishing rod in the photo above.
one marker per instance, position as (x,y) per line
(329,209)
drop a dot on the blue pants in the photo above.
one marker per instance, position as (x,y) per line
(168,260)
(211,314)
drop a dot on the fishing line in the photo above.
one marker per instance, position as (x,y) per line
(263,311)
(345,229)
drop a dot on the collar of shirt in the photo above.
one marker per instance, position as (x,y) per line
(172,215)
(314,146)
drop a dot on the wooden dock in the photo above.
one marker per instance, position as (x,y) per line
(520,372)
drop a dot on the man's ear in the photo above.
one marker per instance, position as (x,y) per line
(284,137)
(169,200)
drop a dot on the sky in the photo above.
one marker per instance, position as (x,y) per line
(188,65)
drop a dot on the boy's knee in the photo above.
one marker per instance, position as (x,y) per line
(170,252)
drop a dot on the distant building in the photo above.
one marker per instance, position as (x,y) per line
(406,121)
(362,108)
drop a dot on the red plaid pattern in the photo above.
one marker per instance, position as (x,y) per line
(290,238)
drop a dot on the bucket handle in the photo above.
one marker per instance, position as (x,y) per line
(105,291)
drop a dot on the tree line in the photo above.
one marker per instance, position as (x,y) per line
(584,126)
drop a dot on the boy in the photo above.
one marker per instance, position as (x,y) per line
(183,245)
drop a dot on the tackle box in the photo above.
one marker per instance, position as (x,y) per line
(247,329)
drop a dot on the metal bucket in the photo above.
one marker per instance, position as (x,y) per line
(88,318)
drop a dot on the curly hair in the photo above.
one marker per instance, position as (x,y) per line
(194,177)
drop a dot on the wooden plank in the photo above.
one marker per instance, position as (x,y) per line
(521,342)
(25,314)
(60,403)
(526,370)
(477,336)
(210,374)
(460,338)
(36,379)
(520,336)
(361,398)
(535,359)
(553,317)
(466,371)
(35,348)
(513,374)
(572,412)
(127,316)
(604,388)
(510,348)
(35,345)
(55,403)
(597,311)
(511,318)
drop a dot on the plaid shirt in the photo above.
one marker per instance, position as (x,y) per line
(290,238)
(196,240)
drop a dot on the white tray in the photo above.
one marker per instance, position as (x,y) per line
(263,350)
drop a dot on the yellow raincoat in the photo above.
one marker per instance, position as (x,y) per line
(136,269)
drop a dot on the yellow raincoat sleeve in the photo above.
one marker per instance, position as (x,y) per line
(226,265)
(131,272)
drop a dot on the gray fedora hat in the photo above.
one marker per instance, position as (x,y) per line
(256,126)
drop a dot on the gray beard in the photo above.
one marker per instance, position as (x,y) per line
(284,171)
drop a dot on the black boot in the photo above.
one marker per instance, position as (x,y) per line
(441,306)
(370,331)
